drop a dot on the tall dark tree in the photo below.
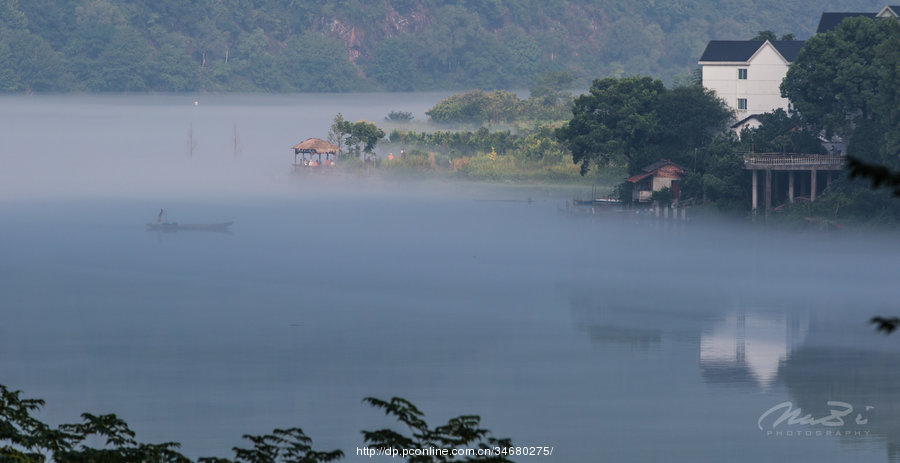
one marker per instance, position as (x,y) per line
(834,82)
(638,120)
(614,121)
(780,132)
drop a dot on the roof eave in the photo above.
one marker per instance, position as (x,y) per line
(774,48)
(723,63)
(890,13)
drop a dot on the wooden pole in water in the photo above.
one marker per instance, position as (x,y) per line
(191,143)
(235,140)
(755,194)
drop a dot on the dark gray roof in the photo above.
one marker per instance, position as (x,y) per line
(661,163)
(829,21)
(789,48)
(742,50)
(742,121)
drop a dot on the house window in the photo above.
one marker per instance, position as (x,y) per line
(742,74)
(742,103)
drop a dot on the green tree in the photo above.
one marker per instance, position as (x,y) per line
(614,121)
(399,116)
(338,130)
(460,432)
(28,63)
(359,137)
(11,16)
(392,64)
(174,70)
(691,117)
(364,135)
(887,105)
(834,82)
(716,176)
(549,87)
(26,439)
(125,61)
(315,62)
(282,446)
(765,35)
(779,132)
(255,64)
(476,106)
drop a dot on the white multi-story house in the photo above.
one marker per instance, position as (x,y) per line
(829,21)
(747,74)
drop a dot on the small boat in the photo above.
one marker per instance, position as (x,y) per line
(175,226)
(596,202)
(163,224)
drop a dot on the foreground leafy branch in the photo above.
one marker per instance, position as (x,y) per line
(461,432)
(25,439)
(879,175)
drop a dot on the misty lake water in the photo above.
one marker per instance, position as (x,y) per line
(609,339)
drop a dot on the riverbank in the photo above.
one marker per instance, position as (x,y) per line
(482,168)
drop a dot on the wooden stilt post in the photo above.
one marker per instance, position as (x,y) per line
(791,186)
(812,186)
(753,201)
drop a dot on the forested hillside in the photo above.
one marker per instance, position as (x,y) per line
(355,45)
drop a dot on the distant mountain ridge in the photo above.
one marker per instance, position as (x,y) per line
(368,45)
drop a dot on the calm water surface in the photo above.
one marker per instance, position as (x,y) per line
(609,339)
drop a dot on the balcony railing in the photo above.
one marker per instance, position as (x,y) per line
(793,161)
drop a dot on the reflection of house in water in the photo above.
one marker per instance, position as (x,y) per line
(625,337)
(609,328)
(747,348)
(632,324)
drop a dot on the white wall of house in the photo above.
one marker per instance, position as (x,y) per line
(765,71)
(662,182)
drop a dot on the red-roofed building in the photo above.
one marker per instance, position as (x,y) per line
(655,177)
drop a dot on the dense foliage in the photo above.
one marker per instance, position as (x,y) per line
(26,439)
(491,136)
(780,132)
(459,432)
(845,83)
(834,82)
(637,120)
(479,107)
(343,45)
(358,138)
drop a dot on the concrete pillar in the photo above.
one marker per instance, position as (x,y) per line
(812,186)
(753,201)
(768,191)
(827,180)
(791,186)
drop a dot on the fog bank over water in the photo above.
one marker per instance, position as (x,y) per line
(607,336)
(60,147)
